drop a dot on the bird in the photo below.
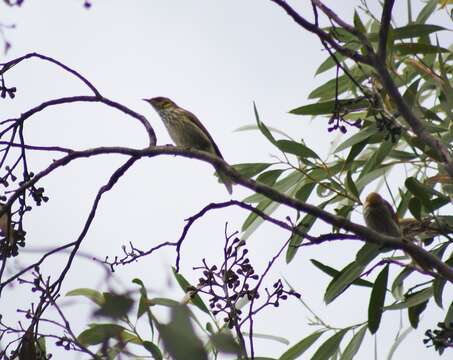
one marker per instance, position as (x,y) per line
(187,131)
(380,216)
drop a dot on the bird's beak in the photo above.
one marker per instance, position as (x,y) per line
(147,100)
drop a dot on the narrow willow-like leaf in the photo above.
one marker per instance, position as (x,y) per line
(414,313)
(354,345)
(377,300)
(298,149)
(195,299)
(351,272)
(417,48)
(412,300)
(362,135)
(398,342)
(303,227)
(94,295)
(250,169)
(328,107)
(333,273)
(298,349)
(397,285)
(438,289)
(330,346)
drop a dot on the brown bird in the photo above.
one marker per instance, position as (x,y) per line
(380,216)
(186,130)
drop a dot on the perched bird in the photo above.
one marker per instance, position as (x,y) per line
(187,131)
(380,217)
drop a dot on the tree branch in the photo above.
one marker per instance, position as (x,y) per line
(363,232)
(384,30)
(320,33)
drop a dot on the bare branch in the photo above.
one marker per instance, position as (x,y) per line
(82,98)
(8,65)
(384,30)
(320,33)
(363,232)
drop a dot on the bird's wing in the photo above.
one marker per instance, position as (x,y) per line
(197,122)
(391,211)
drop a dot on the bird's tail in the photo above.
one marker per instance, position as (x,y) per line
(225,180)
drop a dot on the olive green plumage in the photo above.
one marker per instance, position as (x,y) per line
(186,130)
(379,216)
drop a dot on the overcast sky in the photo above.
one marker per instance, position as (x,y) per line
(214,58)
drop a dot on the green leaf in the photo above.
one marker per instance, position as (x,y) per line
(410,95)
(371,176)
(418,189)
(404,203)
(397,286)
(398,341)
(356,149)
(412,299)
(143,303)
(304,227)
(269,177)
(377,300)
(224,342)
(185,285)
(179,337)
(329,63)
(153,349)
(116,306)
(351,272)
(263,128)
(287,186)
(98,333)
(330,346)
(305,191)
(414,313)
(362,135)
(375,161)
(275,338)
(93,295)
(354,345)
(41,351)
(351,187)
(416,30)
(449,317)
(418,48)
(328,107)
(333,273)
(282,185)
(336,86)
(298,349)
(426,12)
(438,289)
(250,169)
(358,24)
(292,147)
(163,302)
(415,207)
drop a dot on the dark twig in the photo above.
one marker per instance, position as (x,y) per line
(384,30)
(107,187)
(363,232)
(83,98)
(320,33)
(8,65)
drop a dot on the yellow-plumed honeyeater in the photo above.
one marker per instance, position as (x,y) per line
(187,131)
(380,216)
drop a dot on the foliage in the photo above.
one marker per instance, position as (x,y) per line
(391,97)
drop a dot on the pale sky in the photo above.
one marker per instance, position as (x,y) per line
(214,58)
